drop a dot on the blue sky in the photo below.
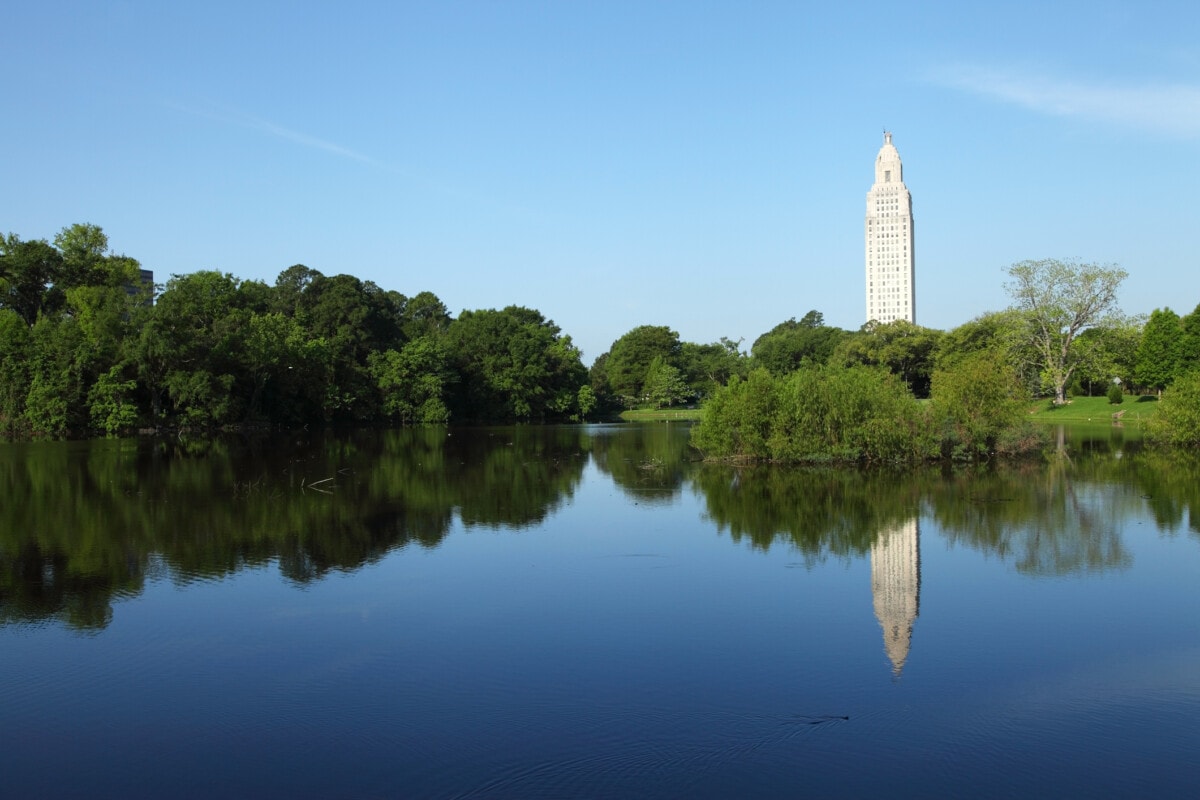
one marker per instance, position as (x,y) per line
(701,165)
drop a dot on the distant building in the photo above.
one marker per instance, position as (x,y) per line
(891,274)
(144,286)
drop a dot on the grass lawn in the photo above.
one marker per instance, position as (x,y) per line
(1095,409)
(655,415)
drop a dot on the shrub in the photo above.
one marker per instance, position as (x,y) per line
(1178,419)
(976,402)
(815,414)
(1116,395)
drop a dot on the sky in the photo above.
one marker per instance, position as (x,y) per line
(699,165)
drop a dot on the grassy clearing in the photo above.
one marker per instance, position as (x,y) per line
(1095,409)
(657,415)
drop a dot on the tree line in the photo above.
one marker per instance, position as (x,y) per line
(85,348)
(816,394)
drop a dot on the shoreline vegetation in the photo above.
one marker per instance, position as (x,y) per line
(89,347)
(859,414)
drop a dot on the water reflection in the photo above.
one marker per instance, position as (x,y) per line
(89,522)
(896,588)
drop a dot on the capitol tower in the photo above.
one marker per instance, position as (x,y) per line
(891,273)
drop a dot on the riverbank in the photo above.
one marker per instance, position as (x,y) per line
(660,414)
(1095,409)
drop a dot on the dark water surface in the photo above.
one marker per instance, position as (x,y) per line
(587,612)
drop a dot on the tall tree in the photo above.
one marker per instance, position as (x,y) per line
(907,350)
(1189,357)
(513,364)
(1108,352)
(29,273)
(1161,350)
(790,344)
(707,367)
(1060,299)
(630,357)
(83,247)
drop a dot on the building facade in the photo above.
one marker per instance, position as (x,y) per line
(891,259)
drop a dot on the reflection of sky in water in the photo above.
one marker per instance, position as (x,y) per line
(621,648)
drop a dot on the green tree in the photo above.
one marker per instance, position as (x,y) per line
(355,319)
(664,385)
(586,402)
(907,350)
(1160,353)
(1003,332)
(1178,419)
(1189,357)
(513,364)
(630,357)
(195,347)
(817,413)
(29,273)
(110,401)
(55,403)
(790,344)
(415,381)
(83,247)
(736,421)
(285,366)
(425,315)
(977,400)
(14,371)
(1108,352)
(709,366)
(1060,299)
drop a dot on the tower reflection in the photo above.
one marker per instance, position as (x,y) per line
(896,588)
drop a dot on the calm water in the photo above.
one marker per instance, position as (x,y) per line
(587,612)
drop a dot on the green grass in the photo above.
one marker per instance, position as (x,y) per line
(1094,409)
(656,415)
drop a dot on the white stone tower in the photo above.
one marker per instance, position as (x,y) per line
(891,262)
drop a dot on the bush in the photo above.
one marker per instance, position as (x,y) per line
(976,402)
(1116,395)
(1178,419)
(815,414)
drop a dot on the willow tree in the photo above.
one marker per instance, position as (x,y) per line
(1060,299)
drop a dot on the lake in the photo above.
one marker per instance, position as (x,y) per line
(587,611)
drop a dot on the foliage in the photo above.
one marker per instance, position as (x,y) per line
(736,422)
(791,344)
(1178,419)
(818,413)
(630,357)
(907,350)
(14,371)
(707,367)
(414,381)
(110,402)
(1189,357)
(30,274)
(1160,354)
(1115,394)
(664,385)
(513,364)
(1060,299)
(1107,352)
(976,402)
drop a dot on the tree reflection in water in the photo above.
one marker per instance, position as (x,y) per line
(88,522)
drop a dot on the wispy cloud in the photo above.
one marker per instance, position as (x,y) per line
(263,126)
(1172,109)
